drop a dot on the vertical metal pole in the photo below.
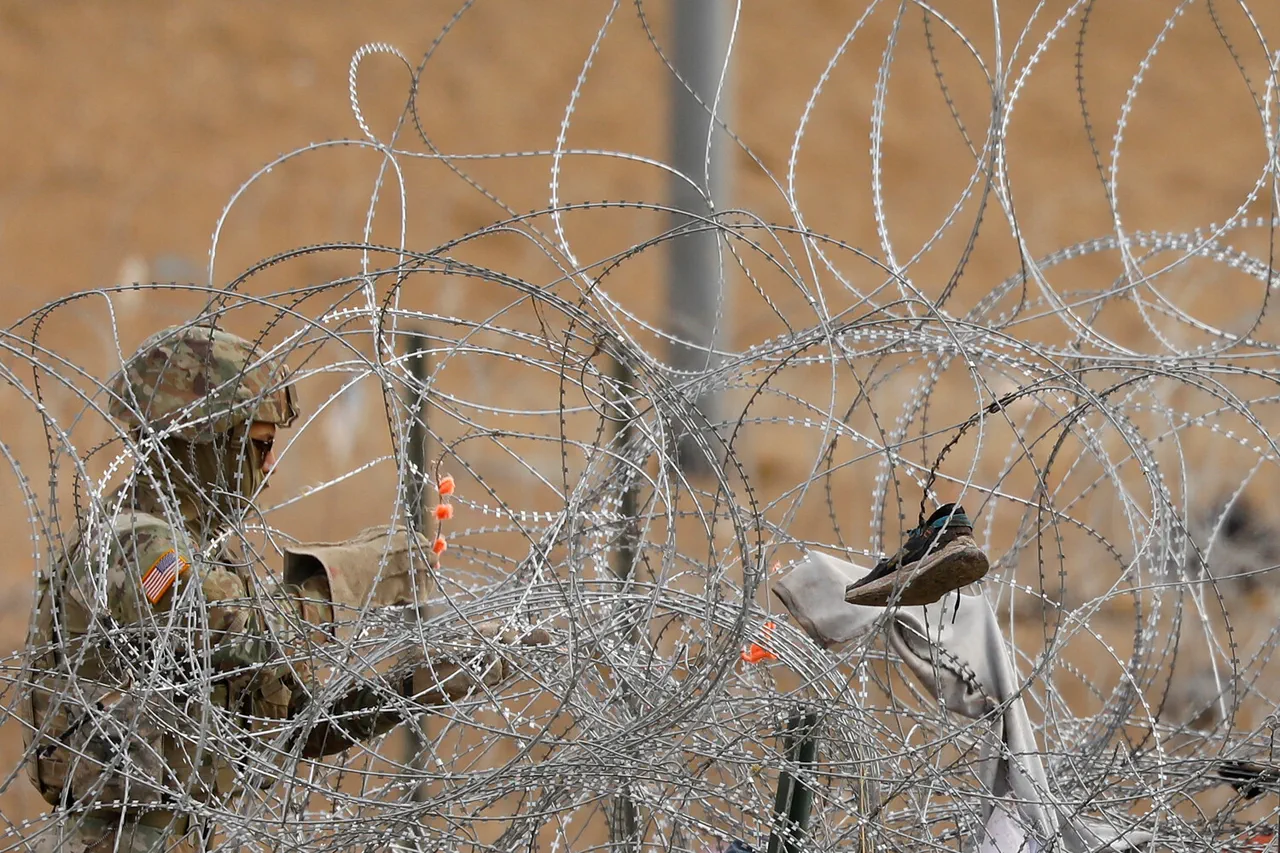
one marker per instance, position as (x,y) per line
(624,829)
(782,800)
(802,802)
(696,304)
(416,452)
(420,518)
(793,803)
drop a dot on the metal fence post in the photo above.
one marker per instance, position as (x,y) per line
(419,515)
(793,803)
(696,304)
(624,828)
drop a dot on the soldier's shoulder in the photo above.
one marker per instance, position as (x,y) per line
(128,537)
(122,562)
(146,537)
(134,522)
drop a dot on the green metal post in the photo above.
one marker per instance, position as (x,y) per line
(624,829)
(419,514)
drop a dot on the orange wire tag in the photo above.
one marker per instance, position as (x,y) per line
(1258,841)
(443,512)
(756,653)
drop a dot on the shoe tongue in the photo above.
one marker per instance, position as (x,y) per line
(949,515)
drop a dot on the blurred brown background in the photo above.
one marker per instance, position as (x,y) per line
(130,125)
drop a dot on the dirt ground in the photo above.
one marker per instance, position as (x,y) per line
(131,125)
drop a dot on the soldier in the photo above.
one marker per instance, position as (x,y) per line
(152,629)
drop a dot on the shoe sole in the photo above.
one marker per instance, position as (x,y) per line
(925,581)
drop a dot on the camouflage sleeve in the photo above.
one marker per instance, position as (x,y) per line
(417,683)
(265,651)
(263,639)
(361,714)
(174,602)
(262,643)
(259,642)
(372,709)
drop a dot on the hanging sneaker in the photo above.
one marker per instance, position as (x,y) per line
(938,557)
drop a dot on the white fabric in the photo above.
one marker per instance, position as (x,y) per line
(967,666)
(1003,834)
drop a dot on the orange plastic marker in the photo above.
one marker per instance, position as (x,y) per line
(756,653)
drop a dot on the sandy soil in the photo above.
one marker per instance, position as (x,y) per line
(131,124)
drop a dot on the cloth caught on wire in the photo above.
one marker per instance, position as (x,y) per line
(965,663)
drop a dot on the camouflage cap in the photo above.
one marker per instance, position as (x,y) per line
(205,380)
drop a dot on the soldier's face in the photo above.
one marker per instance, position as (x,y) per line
(264,436)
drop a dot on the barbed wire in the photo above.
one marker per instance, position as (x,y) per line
(1110,439)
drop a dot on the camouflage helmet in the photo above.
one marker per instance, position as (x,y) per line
(204,379)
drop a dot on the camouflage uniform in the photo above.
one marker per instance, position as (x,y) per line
(148,631)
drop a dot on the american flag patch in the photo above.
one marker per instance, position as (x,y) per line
(162,574)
